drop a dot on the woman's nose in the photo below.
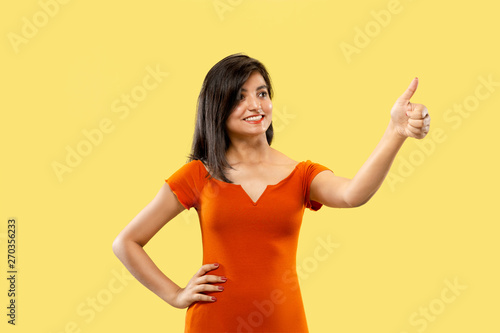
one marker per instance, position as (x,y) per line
(253,104)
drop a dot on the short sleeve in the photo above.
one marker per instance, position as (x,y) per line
(186,183)
(311,170)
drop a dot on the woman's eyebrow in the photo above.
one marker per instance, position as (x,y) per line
(258,88)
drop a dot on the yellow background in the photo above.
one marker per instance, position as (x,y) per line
(435,221)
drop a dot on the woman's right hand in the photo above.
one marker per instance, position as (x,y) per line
(199,283)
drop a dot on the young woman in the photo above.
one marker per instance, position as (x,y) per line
(250,199)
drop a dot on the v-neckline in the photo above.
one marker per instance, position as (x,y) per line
(265,189)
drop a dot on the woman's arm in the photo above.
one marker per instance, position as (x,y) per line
(128,247)
(407,120)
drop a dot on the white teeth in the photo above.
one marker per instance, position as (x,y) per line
(254,118)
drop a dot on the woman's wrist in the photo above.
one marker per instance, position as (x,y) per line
(393,132)
(171,295)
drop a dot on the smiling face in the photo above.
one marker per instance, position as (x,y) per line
(253,101)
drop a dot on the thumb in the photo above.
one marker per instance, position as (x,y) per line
(405,97)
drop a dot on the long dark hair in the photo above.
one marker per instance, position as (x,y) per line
(218,97)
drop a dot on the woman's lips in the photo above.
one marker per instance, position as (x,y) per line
(254,120)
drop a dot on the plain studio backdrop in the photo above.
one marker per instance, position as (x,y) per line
(98,104)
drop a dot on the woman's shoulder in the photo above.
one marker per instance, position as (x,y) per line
(282,159)
(306,165)
(200,165)
(288,162)
(190,168)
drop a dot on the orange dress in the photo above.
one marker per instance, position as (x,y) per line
(255,244)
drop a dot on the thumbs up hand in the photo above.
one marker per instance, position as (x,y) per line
(410,119)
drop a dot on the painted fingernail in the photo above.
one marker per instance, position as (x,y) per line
(214,299)
(221,287)
(216,265)
(223,278)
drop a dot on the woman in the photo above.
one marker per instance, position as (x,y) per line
(250,199)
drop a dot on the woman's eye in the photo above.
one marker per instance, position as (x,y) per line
(264,94)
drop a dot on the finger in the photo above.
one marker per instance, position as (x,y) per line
(421,135)
(405,97)
(414,130)
(418,132)
(208,278)
(419,112)
(203,298)
(208,287)
(417,123)
(206,268)
(425,112)
(427,120)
